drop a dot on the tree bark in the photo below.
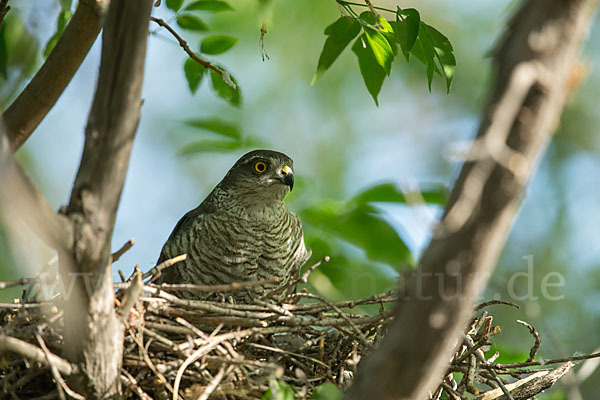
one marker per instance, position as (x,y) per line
(532,67)
(39,96)
(93,332)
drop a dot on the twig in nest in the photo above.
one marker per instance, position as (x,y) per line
(277,350)
(131,296)
(536,336)
(194,56)
(132,385)
(155,272)
(60,382)
(492,302)
(214,383)
(483,361)
(546,362)
(302,279)
(360,335)
(528,387)
(126,246)
(230,287)
(34,353)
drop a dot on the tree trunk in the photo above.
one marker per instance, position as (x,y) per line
(93,333)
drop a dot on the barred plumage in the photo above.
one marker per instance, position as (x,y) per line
(242,231)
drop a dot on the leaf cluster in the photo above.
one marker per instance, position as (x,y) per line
(188,18)
(360,223)
(377,42)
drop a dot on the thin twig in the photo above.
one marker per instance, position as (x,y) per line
(126,246)
(492,302)
(224,288)
(546,362)
(34,353)
(155,272)
(131,296)
(132,385)
(194,56)
(536,336)
(302,279)
(214,383)
(477,354)
(60,382)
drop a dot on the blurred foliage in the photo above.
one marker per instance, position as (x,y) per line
(63,18)
(19,57)
(279,390)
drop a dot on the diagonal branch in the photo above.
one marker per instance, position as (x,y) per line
(20,196)
(39,96)
(194,56)
(542,41)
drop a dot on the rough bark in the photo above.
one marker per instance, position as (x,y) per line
(39,96)
(532,66)
(93,332)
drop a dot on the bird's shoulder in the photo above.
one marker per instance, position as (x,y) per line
(185,222)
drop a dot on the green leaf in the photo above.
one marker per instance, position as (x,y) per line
(224,90)
(340,33)
(444,54)
(430,46)
(424,52)
(365,228)
(61,23)
(389,193)
(206,146)
(380,48)
(191,22)
(174,5)
(353,277)
(209,5)
(193,73)
(216,125)
(407,29)
(66,4)
(372,72)
(217,44)
(279,390)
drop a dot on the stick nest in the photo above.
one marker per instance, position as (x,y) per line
(201,348)
(196,349)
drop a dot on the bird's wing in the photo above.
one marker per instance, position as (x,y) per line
(307,253)
(171,274)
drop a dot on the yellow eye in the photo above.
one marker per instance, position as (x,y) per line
(260,167)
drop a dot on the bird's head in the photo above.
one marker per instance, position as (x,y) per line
(260,176)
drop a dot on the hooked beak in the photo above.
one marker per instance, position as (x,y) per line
(287,176)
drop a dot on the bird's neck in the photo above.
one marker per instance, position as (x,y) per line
(249,204)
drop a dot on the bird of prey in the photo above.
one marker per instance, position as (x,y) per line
(241,232)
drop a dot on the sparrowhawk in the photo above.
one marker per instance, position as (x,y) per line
(241,232)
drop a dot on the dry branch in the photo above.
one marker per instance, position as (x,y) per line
(194,56)
(34,353)
(530,386)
